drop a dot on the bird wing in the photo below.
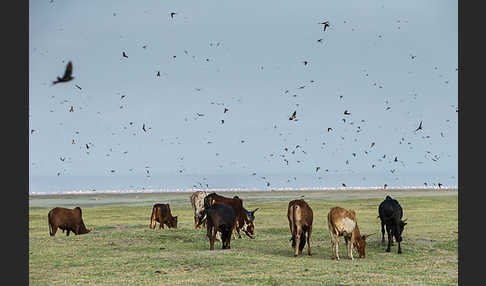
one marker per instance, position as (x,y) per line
(69,70)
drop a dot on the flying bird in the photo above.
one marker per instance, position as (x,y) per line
(158,73)
(225,110)
(346,112)
(326,24)
(124,55)
(172,14)
(67,74)
(372,144)
(71,109)
(77,86)
(420,127)
(305,63)
(143,128)
(320,40)
(317,168)
(329,129)
(293,115)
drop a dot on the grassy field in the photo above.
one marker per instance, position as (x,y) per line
(122,250)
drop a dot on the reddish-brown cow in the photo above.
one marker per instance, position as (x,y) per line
(66,219)
(161,214)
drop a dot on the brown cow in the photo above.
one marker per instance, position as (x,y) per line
(161,214)
(242,215)
(66,219)
(300,217)
(342,222)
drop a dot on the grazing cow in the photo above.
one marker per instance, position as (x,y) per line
(219,219)
(242,220)
(300,217)
(342,222)
(197,202)
(390,213)
(66,219)
(161,214)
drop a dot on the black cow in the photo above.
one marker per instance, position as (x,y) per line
(220,218)
(390,213)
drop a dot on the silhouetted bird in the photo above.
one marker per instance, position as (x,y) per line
(346,112)
(440,185)
(396,159)
(305,63)
(320,40)
(384,187)
(344,185)
(71,109)
(77,86)
(329,129)
(143,128)
(420,127)
(225,110)
(293,115)
(67,74)
(317,168)
(372,144)
(172,14)
(326,24)
(158,73)
(124,55)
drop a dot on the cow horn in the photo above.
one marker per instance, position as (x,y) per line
(255,210)
(368,235)
(405,220)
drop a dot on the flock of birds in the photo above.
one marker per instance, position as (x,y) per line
(68,76)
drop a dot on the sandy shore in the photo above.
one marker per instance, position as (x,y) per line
(182,198)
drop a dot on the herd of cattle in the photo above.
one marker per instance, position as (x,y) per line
(226,216)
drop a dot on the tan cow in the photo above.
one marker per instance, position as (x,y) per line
(300,217)
(197,202)
(342,222)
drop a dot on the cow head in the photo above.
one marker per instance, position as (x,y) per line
(360,244)
(173,222)
(251,214)
(398,232)
(249,229)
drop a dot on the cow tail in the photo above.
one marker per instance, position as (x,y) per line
(294,233)
(152,218)
(49,223)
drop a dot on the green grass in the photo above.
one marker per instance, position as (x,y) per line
(122,250)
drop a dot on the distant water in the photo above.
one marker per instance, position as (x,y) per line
(167,183)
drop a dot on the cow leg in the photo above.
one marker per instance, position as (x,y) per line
(297,240)
(210,236)
(346,239)
(52,230)
(382,233)
(389,238)
(67,232)
(350,246)
(308,240)
(399,248)
(336,247)
(331,236)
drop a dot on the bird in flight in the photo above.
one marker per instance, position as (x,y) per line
(317,168)
(172,14)
(225,110)
(319,41)
(71,109)
(372,144)
(420,127)
(326,24)
(124,55)
(293,115)
(346,112)
(143,128)
(329,129)
(158,73)
(78,86)
(67,74)
(305,63)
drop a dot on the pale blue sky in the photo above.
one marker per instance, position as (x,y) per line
(262,45)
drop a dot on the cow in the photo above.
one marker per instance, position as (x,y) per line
(161,213)
(300,217)
(390,213)
(66,219)
(220,218)
(242,220)
(342,222)
(197,202)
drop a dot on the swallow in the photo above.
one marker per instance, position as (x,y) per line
(62,158)
(329,129)
(222,121)
(384,186)
(124,55)
(71,109)
(225,110)
(67,74)
(87,146)
(344,185)
(199,114)
(440,185)
(78,86)
(293,115)
(74,142)
(158,73)
(317,168)
(372,144)
(396,159)
(143,128)
(326,24)
(32,131)
(144,46)
(420,127)
(319,41)
(346,112)
(305,63)
(372,166)
(172,14)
